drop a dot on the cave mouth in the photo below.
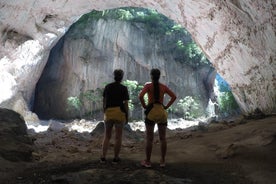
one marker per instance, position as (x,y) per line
(57,97)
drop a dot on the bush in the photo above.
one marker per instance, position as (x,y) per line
(74,104)
(189,107)
(227,103)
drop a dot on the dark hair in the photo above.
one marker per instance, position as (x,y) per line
(118,75)
(155,75)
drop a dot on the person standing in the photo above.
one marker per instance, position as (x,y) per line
(115,107)
(155,112)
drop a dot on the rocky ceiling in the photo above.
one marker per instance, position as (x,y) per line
(238,36)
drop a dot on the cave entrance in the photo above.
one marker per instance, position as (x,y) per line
(135,40)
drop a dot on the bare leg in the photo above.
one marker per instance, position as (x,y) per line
(149,141)
(107,136)
(163,141)
(118,140)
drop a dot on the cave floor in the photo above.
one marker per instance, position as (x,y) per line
(225,154)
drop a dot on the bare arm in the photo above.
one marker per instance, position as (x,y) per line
(173,98)
(143,103)
(141,97)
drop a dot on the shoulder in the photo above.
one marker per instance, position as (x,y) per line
(121,84)
(163,86)
(148,83)
(108,85)
(112,86)
(124,87)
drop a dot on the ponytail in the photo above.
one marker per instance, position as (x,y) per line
(155,75)
(156,90)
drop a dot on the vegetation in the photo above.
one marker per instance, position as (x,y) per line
(226,100)
(227,103)
(74,104)
(90,98)
(188,107)
(134,88)
(175,38)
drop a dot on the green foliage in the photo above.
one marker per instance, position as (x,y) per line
(93,97)
(192,50)
(119,14)
(176,39)
(87,98)
(227,102)
(180,45)
(74,103)
(178,27)
(133,89)
(154,22)
(189,107)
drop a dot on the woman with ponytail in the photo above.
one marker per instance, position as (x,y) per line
(155,112)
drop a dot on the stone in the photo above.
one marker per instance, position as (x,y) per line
(98,130)
(238,37)
(16,145)
(87,64)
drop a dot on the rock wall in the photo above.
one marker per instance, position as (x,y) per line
(84,59)
(237,36)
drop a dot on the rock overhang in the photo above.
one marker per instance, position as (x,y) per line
(236,37)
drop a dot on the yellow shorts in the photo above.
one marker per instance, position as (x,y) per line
(114,114)
(158,114)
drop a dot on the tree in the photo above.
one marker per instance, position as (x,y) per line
(189,107)
(93,97)
(74,103)
(227,103)
(134,88)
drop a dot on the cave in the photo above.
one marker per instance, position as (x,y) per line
(227,32)
(237,37)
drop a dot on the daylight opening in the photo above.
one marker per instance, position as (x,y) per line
(135,40)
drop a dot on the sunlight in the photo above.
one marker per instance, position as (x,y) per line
(39,128)
(7,82)
(88,126)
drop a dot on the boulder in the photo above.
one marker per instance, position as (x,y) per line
(15,143)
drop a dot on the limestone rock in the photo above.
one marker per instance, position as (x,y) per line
(99,129)
(85,60)
(238,37)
